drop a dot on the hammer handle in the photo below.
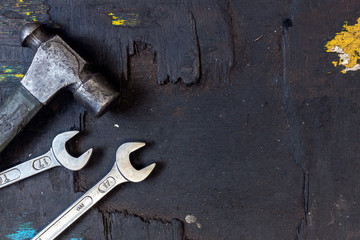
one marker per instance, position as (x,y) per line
(16,113)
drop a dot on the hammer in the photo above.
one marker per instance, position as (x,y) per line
(55,66)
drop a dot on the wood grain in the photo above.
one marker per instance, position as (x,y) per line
(15,13)
(183,47)
(263,146)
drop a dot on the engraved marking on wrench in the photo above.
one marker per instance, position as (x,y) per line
(105,185)
(9,176)
(74,212)
(41,163)
(86,202)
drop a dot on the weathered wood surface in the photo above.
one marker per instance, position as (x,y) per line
(263,146)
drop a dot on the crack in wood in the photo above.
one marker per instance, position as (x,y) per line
(119,225)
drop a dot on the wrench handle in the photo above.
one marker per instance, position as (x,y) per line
(84,203)
(27,169)
(20,108)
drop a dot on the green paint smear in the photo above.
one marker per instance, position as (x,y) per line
(11,72)
(25,231)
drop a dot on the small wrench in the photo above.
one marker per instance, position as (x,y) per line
(121,172)
(56,156)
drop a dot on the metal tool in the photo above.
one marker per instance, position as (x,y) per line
(55,66)
(121,172)
(56,156)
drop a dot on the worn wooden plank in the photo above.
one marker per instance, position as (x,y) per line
(181,50)
(215,171)
(263,147)
(324,105)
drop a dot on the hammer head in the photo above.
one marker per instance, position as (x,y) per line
(124,166)
(56,66)
(32,35)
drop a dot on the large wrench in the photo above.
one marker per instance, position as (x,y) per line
(121,172)
(56,156)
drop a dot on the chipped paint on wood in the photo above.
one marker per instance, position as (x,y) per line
(25,231)
(124,19)
(11,72)
(347,45)
(15,13)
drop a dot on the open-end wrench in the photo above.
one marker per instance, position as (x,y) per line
(121,172)
(56,156)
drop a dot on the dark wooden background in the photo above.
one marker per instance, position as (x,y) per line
(255,133)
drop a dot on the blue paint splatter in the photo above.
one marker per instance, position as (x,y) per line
(26,231)
(74,238)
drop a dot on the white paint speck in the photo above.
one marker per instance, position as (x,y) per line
(345,59)
(116,125)
(354,68)
(344,56)
(190,219)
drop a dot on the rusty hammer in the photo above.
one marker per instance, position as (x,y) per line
(55,66)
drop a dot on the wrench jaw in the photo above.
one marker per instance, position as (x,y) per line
(124,166)
(63,157)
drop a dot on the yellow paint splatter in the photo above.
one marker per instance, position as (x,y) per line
(11,72)
(125,19)
(347,45)
(4,77)
(18,75)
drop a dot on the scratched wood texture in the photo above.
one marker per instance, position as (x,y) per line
(255,133)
